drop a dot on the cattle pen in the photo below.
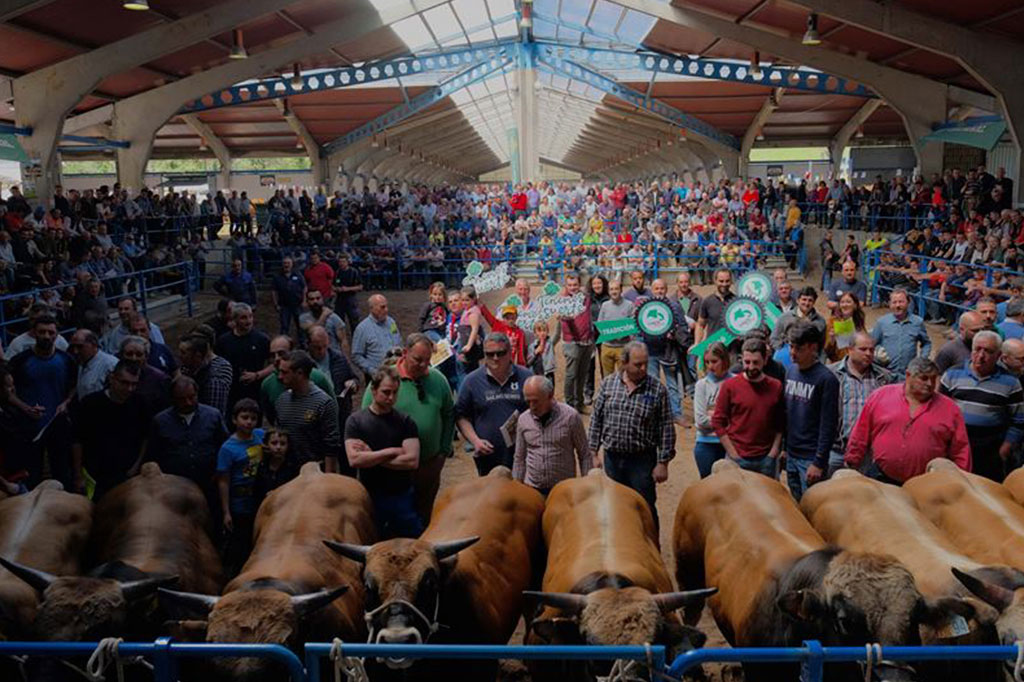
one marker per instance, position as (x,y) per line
(163,655)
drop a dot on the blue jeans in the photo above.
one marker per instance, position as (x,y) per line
(706,455)
(796,476)
(396,515)
(634,470)
(835,462)
(654,369)
(769,466)
(286,314)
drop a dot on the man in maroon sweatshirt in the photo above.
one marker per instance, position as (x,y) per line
(750,413)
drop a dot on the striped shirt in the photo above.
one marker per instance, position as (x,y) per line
(544,450)
(994,403)
(633,422)
(311,422)
(853,393)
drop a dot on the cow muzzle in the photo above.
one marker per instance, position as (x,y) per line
(400,622)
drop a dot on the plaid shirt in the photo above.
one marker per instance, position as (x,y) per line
(544,452)
(214,380)
(635,422)
(853,393)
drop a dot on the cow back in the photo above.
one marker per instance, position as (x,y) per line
(594,526)
(158,523)
(979,516)
(45,529)
(483,598)
(860,514)
(290,528)
(1014,483)
(741,532)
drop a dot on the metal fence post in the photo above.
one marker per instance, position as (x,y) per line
(164,665)
(812,669)
(189,283)
(142,293)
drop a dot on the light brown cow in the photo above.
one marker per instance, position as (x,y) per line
(148,531)
(605,582)
(986,523)
(1015,484)
(288,591)
(861,514)
(462,581)
(779,582)
(45,532)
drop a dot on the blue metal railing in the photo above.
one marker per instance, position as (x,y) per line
(164,654)
(812,656)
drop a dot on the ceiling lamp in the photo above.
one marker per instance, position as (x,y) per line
(526,22)
(811,35)
(296,81)
(140,5)
(755,65)
(238,47)
(760,136)
(860,132)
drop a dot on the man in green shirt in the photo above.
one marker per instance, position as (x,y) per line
(425,396)
(272,388)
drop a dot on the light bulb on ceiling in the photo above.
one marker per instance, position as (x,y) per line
(138,5)
(760,136)
(860,132)
(755,65)
(296,81)
(526,22)
(811,35)
(238,46)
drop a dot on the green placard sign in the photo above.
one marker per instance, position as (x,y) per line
(755,285)
(609,330)
(741,316)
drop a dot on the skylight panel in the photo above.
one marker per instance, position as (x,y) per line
(413,32)
(442,22)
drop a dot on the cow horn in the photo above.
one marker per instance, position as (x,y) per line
(573,603)
(308,603)
(137,589)
(443,550)
(670,601)
(39,580)
(194,603)
(349,551)
(996,596)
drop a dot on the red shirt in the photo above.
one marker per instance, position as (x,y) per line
(902,446)
(751,413)
(517,202)
(515,335)
(319,277)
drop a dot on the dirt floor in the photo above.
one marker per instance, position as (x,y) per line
(404,306)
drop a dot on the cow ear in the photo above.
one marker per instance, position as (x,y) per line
(186,630)
(803,605)
(947,617)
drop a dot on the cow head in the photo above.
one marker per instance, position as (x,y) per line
(620,616)
(852,598)
(403,580)
(76,608)
(1000,588)
(259,613)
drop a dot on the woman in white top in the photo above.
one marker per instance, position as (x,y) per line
(708,448)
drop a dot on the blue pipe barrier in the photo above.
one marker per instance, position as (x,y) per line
(164,653)
(315,652)
(812,656)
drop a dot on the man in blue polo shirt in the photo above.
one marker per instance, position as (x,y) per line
(489,403)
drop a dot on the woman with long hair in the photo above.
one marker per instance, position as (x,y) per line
(847,319)
(707,448)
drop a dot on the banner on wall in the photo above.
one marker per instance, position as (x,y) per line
(268,180)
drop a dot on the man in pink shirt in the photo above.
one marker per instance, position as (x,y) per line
(905,426)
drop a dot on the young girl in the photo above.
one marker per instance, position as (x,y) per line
(434,313)
(470,346)
(542,352)
(276,469)
(708,448)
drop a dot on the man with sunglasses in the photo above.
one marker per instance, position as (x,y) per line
(489,403)
(425,396)
(272,388)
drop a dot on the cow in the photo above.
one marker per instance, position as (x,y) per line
(605,582)
(148,531)
(861,514)
(288,591)
(461,581)
(780,583)
(986,523)
(1015,484)
(42,533)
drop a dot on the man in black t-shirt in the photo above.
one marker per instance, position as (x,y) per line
(383,446)
(248,351)
(346,285)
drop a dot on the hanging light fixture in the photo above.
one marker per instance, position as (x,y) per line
(237,46)
(811,35)
(760,135)
(755,65)
(139,5)
(526,21)
(860,132)
(296,81)
(202,144)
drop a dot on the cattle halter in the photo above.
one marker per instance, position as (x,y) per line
(430,625)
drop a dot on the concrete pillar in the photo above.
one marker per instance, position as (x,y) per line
(839,143)
(526,116)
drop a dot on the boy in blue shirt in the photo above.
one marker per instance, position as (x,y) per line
(237,464)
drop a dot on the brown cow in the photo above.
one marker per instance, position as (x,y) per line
(861,514)
(1015,484)
(288,590)
(986,523)
(45,532)
(779,582)
(605,582)
(147,532)
(462,580)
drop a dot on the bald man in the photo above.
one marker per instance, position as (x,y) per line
(1012,359)
(957,351)
(550,439)
(375,336)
